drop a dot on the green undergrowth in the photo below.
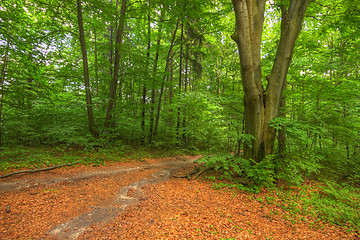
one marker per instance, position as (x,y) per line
(21,157)
(296,185)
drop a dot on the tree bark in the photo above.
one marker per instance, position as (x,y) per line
(118,42)
(263,106)
(86,71)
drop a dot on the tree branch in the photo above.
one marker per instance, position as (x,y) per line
(40,169)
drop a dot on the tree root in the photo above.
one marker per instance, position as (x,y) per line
(40,169)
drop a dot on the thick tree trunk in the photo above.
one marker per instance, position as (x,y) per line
(86,71)
(263,106)
(118,41)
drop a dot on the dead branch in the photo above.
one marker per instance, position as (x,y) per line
(40,169)
(194,174)
(201,172)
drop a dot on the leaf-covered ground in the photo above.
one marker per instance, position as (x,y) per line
(174,209)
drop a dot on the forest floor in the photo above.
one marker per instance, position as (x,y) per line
(145,200)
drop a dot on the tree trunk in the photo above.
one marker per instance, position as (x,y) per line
(171,72)
(153,96)
(3,73)
(180,82)
(168,59)
(118,41)
(185,90)
(86,71)
(263,106)
(143,110)
(96,62)
(282,131)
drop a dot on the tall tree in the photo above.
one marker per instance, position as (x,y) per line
(143,110)
(263,105)
(118,42)
(180,81)
(86,71)
(166,75)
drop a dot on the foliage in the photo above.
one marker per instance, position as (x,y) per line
(336,203)
(328,201)
(258,174)
(299,167)
(323,203)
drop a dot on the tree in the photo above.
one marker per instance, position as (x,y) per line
(263,105)
(86,71)
(118,42)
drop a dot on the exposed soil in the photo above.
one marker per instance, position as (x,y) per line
(142,200)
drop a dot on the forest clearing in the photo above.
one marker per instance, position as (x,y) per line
(179,119)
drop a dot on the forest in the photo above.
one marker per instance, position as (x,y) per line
(268,91)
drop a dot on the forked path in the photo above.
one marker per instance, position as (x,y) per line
(102,212)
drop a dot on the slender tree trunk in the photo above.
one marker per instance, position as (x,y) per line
(154,77)
(96,63)
(185,90)
(3,73)
(189,78)
(97,82)
(118,42)
(111,53)
(171,72)
(263,106)
(168,60)
(180,82)
(143,111)
(153,96)
(86,72)
(218,80)
(186,67)
(152,112)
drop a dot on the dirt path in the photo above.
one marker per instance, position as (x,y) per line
(150,172)
(103,214)
(24,182)
(140,200)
